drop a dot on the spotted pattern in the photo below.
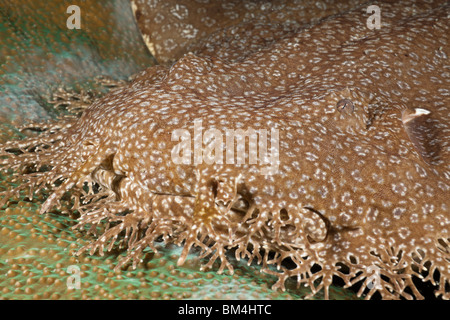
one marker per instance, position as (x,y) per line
(228,29)
(355,191)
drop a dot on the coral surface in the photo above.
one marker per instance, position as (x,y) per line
(354,185)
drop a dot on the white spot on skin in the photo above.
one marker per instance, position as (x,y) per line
(362,177)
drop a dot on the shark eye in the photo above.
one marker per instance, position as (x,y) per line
(345,105)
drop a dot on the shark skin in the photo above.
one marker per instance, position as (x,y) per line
(360,185)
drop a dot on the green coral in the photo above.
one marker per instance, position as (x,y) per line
(36,252)
(41,54)
(38,53)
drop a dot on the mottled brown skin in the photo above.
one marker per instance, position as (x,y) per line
(172,28)
(361,188)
